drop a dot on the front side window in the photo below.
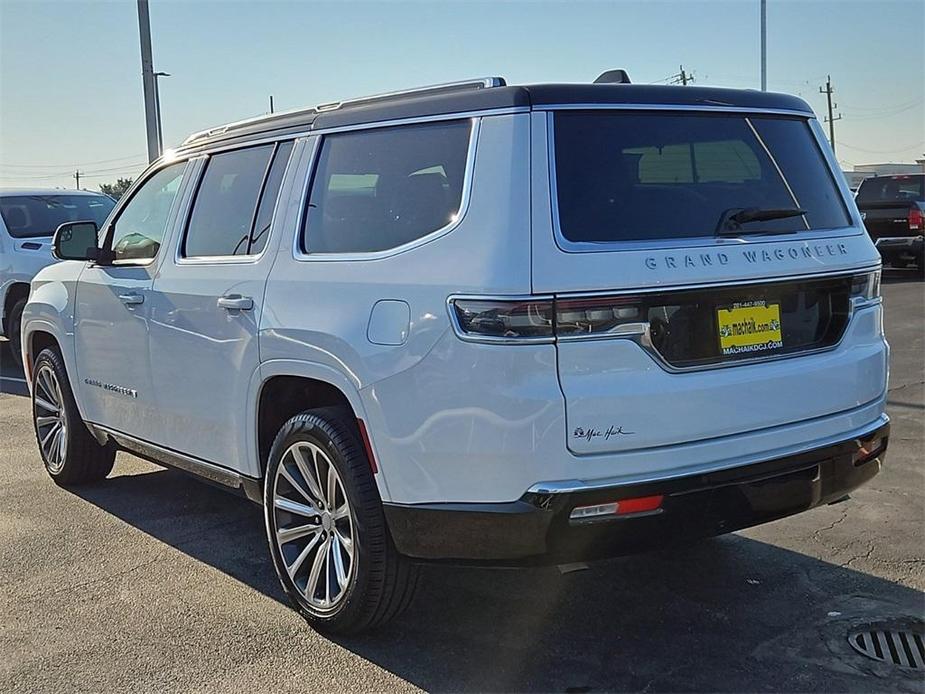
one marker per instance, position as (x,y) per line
(29,216)
(379,189)
(628,176)
(139,229)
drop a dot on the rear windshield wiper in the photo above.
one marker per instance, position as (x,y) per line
(731,221)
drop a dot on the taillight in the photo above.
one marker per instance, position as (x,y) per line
(544,319)
(599,316)
(916,221)
(527,320)
(866,286)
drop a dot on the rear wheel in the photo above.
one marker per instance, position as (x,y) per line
(69,451)
(326,528)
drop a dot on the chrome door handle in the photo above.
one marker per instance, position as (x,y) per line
(132,299)
(236,302)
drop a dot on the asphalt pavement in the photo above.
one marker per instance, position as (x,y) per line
(152,581)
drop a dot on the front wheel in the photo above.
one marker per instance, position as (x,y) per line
(326,528)
(69,451)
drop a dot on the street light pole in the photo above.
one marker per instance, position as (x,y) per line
(157,111)
(148,80)
(764,45)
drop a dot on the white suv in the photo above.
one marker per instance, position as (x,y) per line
(28,218)
(478,323)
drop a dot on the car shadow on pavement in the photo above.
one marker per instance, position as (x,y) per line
(729,614)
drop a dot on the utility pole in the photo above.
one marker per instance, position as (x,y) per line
(77,176)
(764,45)
(148,80)
(682,77)
(271,103)
(828,90)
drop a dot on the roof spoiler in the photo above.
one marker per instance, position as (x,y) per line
(613,77)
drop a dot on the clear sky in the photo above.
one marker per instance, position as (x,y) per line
(70,72)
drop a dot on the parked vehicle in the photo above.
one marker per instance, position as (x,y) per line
(477,323)
(893,210)
(28,218)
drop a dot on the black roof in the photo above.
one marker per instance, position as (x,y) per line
(446,101)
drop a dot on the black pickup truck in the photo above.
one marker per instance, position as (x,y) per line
(893,209)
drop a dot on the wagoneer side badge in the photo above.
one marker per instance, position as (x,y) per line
(112,388)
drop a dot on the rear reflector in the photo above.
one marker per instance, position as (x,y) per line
(623,507)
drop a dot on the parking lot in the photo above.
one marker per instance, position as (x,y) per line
(152,581)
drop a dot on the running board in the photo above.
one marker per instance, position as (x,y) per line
(159,455)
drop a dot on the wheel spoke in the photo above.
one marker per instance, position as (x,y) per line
(45,405)
(307,510)
(45,421)
(299,560)
(62,442)
(342,511)
(54,448)
(295,483)
(345,542)
(311,586)
(44,381)
(299,531)
(332,487)
(338,562)
(311,480)
(49,435)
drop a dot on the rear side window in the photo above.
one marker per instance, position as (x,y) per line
(28,216)
(379,189)
(625,176)
(892,189)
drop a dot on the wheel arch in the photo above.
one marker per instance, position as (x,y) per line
(285,388)
(15,291)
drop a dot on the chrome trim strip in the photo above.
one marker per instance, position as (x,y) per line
(165,456)
(573,486)
(465,197)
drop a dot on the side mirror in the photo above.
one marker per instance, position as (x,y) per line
(76,241)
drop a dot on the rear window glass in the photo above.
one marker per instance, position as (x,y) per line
(379,189)
(892,189)
(28,216)
(647,176)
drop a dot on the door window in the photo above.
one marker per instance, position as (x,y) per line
(139,229)
(235,201)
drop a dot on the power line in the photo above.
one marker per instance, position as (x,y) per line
(6,165)
(681,77)
(884,151)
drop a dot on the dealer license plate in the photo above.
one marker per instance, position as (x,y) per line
(751,327)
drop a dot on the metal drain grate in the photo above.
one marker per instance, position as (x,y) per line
(903,647)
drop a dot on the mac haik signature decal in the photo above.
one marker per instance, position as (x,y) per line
(591,433)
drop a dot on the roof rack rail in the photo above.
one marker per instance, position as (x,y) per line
(430,90)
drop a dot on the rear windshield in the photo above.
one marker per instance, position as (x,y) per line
(40,215)
(626,176)
(892,189)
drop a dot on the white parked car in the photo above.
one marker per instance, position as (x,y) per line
(28,218)
(478,323)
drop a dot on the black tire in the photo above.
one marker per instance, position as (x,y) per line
(381,582)
(13,323)
(83,460)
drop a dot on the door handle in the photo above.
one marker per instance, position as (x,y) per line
(236,302)
(132,299)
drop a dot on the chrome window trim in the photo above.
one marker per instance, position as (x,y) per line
(706,107)
(465,197)
(854,228)
(180,260)
(574,486)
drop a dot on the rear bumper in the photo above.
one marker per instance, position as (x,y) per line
(536,528)
(892,246)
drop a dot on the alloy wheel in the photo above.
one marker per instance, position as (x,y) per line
(314,528)
(50,419)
